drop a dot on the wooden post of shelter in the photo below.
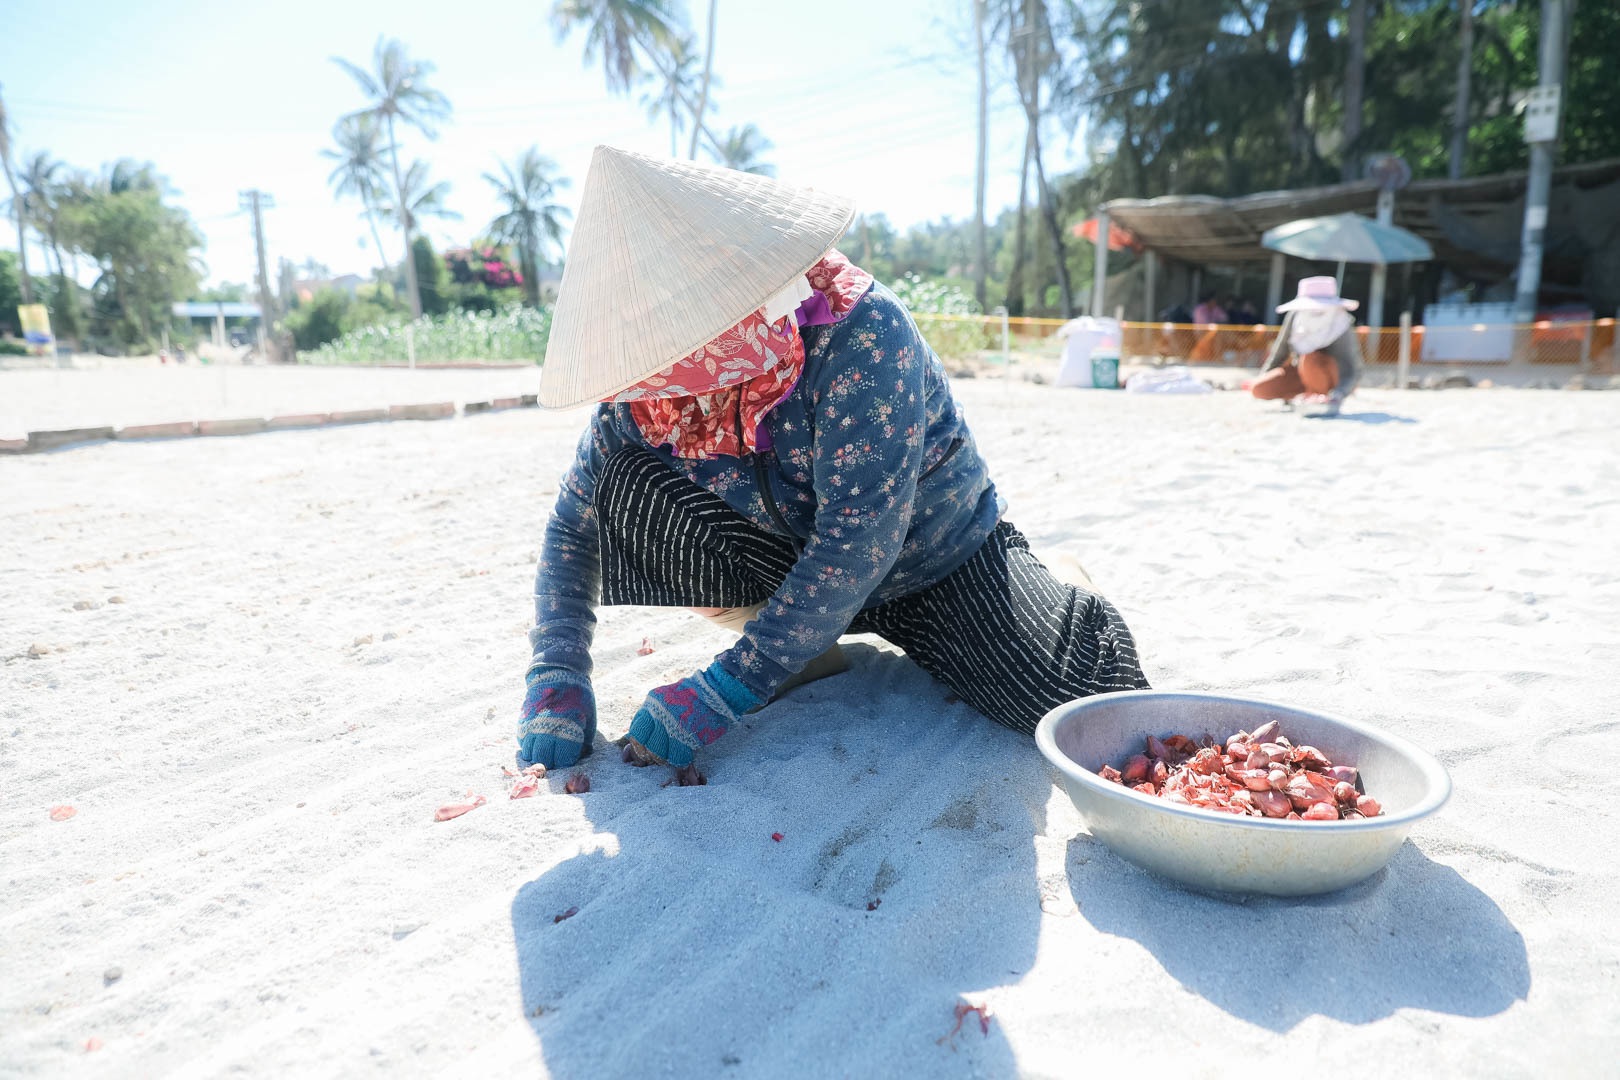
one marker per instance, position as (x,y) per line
(1274,286)
(1099,284)
(1150,269)
(1380,271)
(1403,363)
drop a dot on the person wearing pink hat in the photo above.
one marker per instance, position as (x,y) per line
(1316,351)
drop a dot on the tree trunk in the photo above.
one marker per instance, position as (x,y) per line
(529,264)
(981,258)
(703,95)
(22,241)
(1465,73)
(67,290)
(376,238)
(1354,73)
(697,124)
(531,279)
(404,224)
(1015,277)
(1054,230)
(1029,89)
(1298,133)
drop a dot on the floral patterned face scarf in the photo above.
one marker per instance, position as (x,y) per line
(697,405)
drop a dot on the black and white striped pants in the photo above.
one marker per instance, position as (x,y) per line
(1001,632)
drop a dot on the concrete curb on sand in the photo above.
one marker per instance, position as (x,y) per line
(49,440)
(439,410)
(291,421)
(159,431)
(38,441)
(247,426)
(358,416)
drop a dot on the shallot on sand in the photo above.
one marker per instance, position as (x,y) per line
(963,1009)
(455,810)
(1255,773)
(525,784)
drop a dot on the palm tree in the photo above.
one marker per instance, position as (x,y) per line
(418,199)
(39,197)
(742,149)
(530,220)
(45,197)
(980,246)
(1034,55)
(673,90)
(397,89)
(623,32)
(616,29)
(360,169)
(16,206)
(708,76)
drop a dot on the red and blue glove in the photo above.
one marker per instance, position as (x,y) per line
(558,720)
(677,719)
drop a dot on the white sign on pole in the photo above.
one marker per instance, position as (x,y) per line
(1541,114)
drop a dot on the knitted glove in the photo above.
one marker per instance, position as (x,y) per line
(677,719)
(558,720)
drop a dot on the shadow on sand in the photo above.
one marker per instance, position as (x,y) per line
(1364,417)
(1414,935)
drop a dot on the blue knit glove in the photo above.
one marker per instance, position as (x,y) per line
(677,719)
(558,720)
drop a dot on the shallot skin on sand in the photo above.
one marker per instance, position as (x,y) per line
(1255,773)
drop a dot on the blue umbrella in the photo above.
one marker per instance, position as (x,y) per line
(1346,238)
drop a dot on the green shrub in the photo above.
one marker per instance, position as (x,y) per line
(955,338)
(13,348)
(321,320)
(517,334)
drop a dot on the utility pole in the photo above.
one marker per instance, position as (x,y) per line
(1541,117)
(256,200)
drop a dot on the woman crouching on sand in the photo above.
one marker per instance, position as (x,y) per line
(776,446)
(1320,332)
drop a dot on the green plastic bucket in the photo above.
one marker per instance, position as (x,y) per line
(1105,372)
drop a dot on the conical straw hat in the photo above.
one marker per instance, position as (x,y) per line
(667,255)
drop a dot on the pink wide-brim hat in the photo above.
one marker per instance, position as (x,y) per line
(1319,292)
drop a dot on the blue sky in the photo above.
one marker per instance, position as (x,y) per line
(873,100)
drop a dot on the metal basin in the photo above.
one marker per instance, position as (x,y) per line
(1225,852)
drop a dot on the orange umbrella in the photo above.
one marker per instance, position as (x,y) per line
(1119,237)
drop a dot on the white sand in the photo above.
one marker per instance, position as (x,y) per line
(320,640)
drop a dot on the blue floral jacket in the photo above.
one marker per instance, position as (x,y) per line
(873,469)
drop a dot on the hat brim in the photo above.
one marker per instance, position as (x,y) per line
(1302,303)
